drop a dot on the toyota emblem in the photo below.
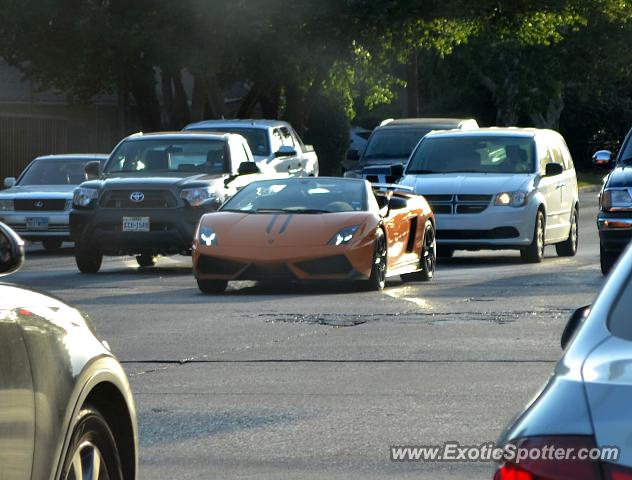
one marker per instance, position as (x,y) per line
(39,204)
(137,197)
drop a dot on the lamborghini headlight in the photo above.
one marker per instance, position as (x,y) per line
(6,205)
(511,199)
(197,196)
(616,200)
(207,236)
(82,197)
(344,236)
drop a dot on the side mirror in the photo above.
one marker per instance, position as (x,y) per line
(248,168)
(11,250)
(553,169)
(9,182)
(397,170)
(602,158)
(573,324)
(309,148)
(285,151)
(353,155)
(93,169)
(397,203)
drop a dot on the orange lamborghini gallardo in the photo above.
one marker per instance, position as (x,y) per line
(315,228)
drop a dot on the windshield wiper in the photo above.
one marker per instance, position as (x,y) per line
(305,210)
(422,171)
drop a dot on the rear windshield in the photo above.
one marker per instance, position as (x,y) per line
(392,144)
(257,138)
(474,154)
(173,155)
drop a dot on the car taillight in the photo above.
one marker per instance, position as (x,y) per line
(616,472)
(551,458)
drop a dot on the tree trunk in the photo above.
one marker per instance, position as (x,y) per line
(412,84)
(215,98)
(294,108)
(167,97)
(249,102)
(270,103)
(143,88)
(198,98)
(181,112)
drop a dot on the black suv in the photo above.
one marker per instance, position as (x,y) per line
(150,194)
(393,141)
(614,220)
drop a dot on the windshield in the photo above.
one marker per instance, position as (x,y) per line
(392,144)
(311,195)
(54,172)
(475,154)
(161,155)
(257,138)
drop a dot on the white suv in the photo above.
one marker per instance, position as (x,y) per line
(498,188)
(274,144)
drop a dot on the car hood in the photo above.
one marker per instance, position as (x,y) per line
(280,230)
(466,183)
(620,177)
(167,180)
(39,191)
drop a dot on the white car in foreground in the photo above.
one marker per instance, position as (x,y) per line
(498,188)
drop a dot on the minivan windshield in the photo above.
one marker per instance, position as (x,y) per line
(169,155)
(474,154)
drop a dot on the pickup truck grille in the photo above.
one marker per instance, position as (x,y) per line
(150,199)
(40,205)
(458,204)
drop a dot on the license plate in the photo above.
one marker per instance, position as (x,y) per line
(135,224)
(36,223)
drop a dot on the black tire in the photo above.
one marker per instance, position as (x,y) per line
(445,252)
(88,260)
(534,253)
(377,280)
(428,257)
(145,260)
(92,438)
(212,286)
(568,248)
(52,244)
(607,260)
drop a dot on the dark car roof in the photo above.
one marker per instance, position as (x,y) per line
(75,156)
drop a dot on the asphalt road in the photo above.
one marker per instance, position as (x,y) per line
(317,381)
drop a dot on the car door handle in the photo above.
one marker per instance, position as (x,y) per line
(560,185)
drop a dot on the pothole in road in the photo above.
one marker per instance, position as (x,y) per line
(329,320)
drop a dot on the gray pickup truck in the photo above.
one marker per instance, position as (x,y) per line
(149,196)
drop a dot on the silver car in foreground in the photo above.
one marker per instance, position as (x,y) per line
(38,203)
(66,409)
(586,402)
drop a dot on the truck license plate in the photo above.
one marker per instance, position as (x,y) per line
(36,223)
(136,224)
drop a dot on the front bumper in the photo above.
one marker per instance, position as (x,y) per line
(494,228)
(615,231)
(57,224)
(283,263)
(171,230)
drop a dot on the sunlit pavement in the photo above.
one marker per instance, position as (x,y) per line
(317,381)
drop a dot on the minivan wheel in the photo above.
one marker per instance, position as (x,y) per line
(568,248)
(92,453)
(534,253)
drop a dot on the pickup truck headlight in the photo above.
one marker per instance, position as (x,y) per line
(6,205)
(83,197)
(197,196)
(616,200)
(207,236)
(511,199)
(344,236)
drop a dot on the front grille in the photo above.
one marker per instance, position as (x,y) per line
(152,199)
(337,265)
(19,228)
(494,234)
(266,272)
(218,266)
(458,204)
(40,205)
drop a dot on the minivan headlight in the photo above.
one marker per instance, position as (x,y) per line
(511,199)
